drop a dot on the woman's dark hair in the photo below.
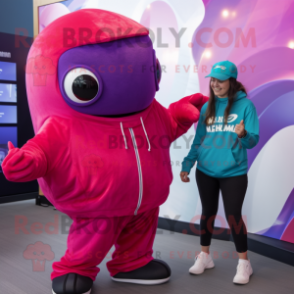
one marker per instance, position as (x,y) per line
(235,86)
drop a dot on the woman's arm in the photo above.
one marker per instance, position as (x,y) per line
(251,125)
(192,156)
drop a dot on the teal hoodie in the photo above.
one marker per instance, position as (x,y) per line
(216,148)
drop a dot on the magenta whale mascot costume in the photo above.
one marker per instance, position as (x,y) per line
(101,150)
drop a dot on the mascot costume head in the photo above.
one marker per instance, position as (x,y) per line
(101,150)
(91,62)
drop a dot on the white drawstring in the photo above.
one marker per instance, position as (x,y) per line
(123,133)
(146,134)
(125,138)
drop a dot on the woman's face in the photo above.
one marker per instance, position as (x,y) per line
(220,88)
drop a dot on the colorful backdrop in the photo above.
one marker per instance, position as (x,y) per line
(189,37)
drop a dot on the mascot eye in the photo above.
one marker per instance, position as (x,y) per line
(81,85)
(158,71)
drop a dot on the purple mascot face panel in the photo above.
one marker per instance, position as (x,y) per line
(114,78)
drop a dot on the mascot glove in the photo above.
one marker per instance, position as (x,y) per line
(21,165)
(187,110)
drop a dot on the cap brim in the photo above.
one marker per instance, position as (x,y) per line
(218,76)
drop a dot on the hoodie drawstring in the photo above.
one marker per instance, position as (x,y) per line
(149,146)
(123,133)
(125,139)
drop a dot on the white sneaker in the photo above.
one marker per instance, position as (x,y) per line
(203,261)
(244,271)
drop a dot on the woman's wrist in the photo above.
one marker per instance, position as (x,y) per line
(243,135)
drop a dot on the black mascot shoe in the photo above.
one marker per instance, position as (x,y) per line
(72,284)
(153,273)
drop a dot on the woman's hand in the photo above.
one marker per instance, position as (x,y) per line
(184,177)
(240,129)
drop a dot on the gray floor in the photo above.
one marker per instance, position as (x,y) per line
(17,275)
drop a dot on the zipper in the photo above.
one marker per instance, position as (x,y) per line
(139,171)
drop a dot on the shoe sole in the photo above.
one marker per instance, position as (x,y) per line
(238,283)
(141,282)
(202,272)
(81,293)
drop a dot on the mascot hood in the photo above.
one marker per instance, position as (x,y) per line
(78,41)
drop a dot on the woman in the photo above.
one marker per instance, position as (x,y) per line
(228,125)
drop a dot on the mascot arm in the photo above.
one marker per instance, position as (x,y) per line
(24,164)
(37,157)
(185,112)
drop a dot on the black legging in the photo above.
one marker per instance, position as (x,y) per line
(233,190)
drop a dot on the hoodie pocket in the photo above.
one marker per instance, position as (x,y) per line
(216,160)
(239,154)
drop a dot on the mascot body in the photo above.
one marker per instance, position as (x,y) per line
(101,150)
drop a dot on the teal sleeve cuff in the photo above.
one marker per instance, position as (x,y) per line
(249,141)
(187,165)
(246,136)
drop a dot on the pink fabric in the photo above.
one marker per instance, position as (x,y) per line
(90,240)
(82,162)
(22,166)
(85,170)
